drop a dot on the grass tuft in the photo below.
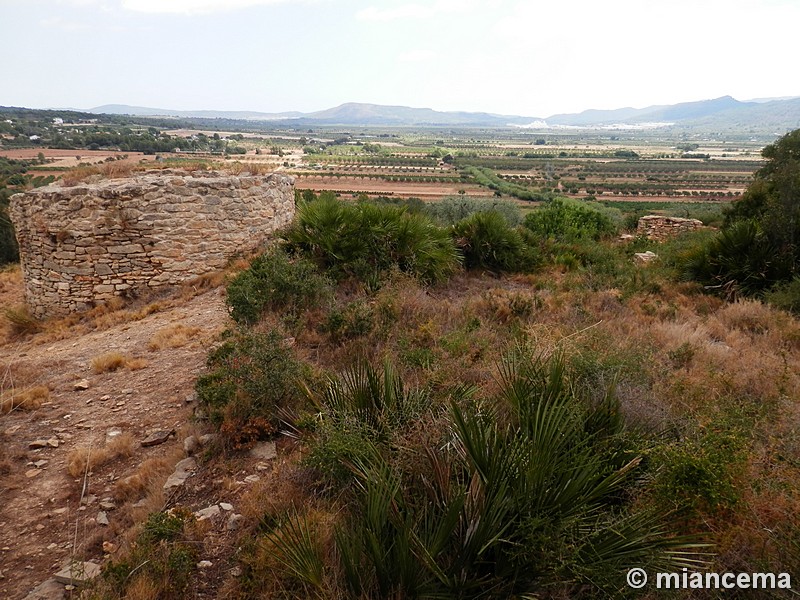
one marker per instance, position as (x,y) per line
(85,458)
(26,399)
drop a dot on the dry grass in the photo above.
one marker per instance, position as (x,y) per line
(253,168)
(113,361)
(146,480)
(85,459)
(143,588)
(119,169)
(108,363)
(109,170)
(173,336)
(21,322)
(25,399)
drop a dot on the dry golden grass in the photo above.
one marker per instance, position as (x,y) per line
(108,363)
(143,588)
(85,459)
(25,399)
(173,336)
(113,361)
(20,321)
(119,169)
(109,170)
(254,168)
(148,478)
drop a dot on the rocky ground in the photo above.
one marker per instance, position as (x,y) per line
(48,516)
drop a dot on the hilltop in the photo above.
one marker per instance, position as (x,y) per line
(724,112)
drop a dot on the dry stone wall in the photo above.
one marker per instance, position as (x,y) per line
(85,244)
(656,227)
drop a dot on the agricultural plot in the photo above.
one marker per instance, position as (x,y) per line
(499,164)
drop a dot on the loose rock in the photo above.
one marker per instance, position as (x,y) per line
(182,472)
(207,513)
(157,437)
(78,572)
(190,445)
(235,521)
(264,451)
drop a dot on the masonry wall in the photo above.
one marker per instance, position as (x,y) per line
(656,227)
(85,244)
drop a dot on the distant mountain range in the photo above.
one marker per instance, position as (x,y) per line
(724,112)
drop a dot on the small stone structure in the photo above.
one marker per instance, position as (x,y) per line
(85,244)
(656,227)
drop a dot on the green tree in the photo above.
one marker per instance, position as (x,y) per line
(759,244)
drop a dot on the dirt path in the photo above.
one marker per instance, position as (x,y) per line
(42,522)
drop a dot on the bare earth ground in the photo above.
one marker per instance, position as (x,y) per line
(67,159)
(42,523)
(394,188)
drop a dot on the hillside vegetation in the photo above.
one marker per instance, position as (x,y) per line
(483,409)
(474,398)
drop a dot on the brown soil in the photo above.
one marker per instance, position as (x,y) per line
(393,188)
(68,158)
(42,522)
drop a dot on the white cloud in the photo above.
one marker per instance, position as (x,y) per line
(412,11)
(65,24)
(416,56)
(189,7)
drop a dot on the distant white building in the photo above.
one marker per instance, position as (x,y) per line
(33,138)
(58,121)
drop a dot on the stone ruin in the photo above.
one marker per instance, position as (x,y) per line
(656,227)
(83,245)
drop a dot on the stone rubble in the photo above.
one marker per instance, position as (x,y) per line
(660,228)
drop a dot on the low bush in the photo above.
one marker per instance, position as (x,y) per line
(523,495)
(567,220)
(488,242)
(159,564)
(785,296)
(250,378)
(276,282)
(361,408)
(738,260)
(366,241)
(452,209)
(356,319)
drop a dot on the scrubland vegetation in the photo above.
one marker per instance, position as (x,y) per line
(489,406)
(486,398)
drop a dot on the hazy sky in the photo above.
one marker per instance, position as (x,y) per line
(520,57)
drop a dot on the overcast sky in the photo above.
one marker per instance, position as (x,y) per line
(519,57)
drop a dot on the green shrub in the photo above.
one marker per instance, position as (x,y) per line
(700,472)
(275,282)
(527,498)
(164,554)
(361,408)
(367,240)
(566,219)
(785,296)
(738,260)
(354,320)
(488,242)
(250,377)
(452,209)
(9,251)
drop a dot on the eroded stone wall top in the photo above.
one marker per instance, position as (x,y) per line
(660,228)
